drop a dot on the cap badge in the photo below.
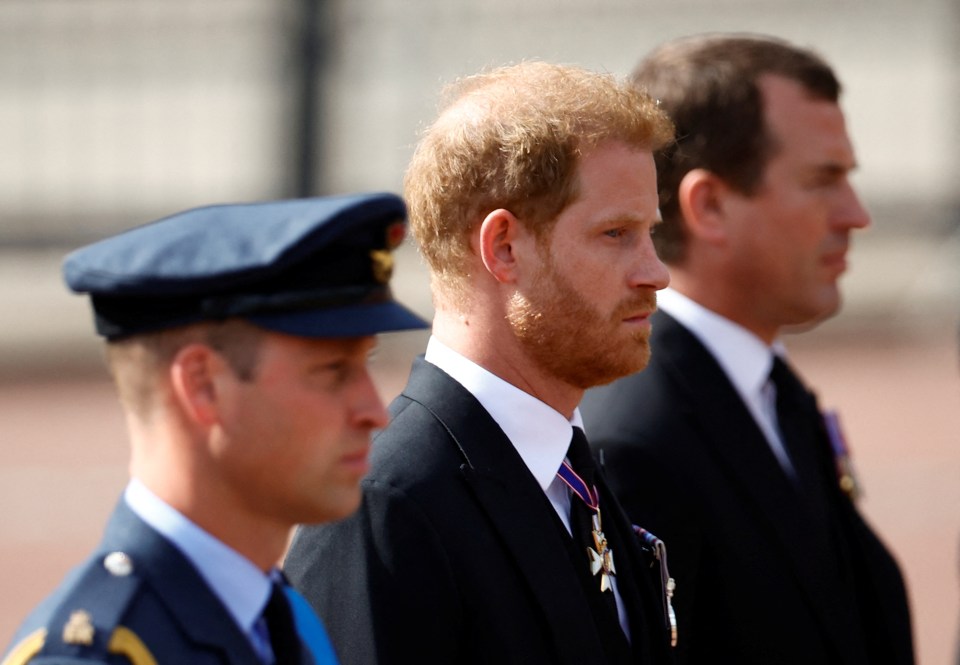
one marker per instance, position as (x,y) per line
(79,628)
(382,261)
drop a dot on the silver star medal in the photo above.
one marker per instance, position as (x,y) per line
(601,559)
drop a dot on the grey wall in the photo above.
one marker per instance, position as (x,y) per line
(113,113)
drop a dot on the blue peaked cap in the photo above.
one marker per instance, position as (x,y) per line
(316,267)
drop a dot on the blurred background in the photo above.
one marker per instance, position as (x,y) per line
(117,112)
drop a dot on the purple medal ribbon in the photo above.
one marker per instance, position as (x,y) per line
(578,486)
(601,558)
(846,475)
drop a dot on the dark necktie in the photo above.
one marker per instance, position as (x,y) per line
(802,432)
(284,639)
(582,526)
(804,435)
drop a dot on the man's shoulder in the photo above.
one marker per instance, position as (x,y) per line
(636,400)
(82,620)
(653,414)
(415,448)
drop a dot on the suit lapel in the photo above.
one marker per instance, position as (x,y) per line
(199,613)
(517,508)
(737,445)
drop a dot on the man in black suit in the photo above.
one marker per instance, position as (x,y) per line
(717,446)
(532,197)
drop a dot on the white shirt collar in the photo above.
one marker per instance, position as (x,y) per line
(241,586)
(540,434)
(744,357)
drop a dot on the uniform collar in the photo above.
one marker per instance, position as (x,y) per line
(237,582)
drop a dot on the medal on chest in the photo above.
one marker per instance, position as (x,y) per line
(601,558)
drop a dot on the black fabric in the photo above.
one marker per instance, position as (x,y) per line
(802,431)
(283,633)
(799,424)
(603,604)
(752,565)
(457,555)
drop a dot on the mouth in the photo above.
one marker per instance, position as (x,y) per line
(835,261)
(357,461)
(639,318)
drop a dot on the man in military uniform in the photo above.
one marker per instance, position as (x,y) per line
(238,338)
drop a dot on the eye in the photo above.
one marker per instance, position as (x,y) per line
(615,233)
(827,177)
(330,374)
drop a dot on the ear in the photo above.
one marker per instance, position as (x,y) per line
(499,234)
(193,375)
(701,198)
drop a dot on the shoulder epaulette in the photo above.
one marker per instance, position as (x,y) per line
(85,624)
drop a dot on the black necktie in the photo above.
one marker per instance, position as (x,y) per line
(801,429)
(804,436)
(581,520)
(284,639)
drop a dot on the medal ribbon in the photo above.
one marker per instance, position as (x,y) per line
(578,486)
(841,455)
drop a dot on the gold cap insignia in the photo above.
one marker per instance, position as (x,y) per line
(382,265)
(79,628)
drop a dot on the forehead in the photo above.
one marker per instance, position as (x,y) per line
(621,175)
(804,128)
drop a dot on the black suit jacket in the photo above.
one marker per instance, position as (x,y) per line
(163,601)
(760,578)
(456,555)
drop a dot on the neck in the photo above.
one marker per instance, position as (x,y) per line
(491,344)
(195,490)
(706,294)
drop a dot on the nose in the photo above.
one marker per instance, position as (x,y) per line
(850,213)
(368,411)
(649,271)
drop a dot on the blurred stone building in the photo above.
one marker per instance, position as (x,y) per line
(116,112)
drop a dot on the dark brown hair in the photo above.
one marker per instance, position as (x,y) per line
(708,84)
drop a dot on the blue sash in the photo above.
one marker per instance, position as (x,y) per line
(310,628)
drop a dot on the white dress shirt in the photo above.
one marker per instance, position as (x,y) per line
(744,358)
(242,587)
(540,434)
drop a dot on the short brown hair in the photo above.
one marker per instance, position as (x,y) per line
(709,86)
(136,362)
(512,138)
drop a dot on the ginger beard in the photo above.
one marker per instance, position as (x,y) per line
(571,339)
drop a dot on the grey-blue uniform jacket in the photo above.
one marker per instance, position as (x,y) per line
(149,606)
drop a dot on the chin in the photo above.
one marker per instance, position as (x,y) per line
(813,316)
(332,510)
(619,369)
